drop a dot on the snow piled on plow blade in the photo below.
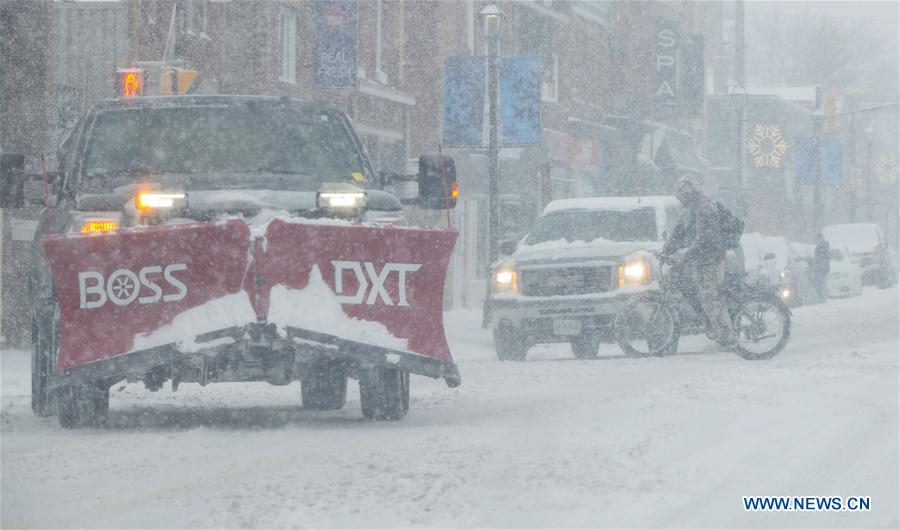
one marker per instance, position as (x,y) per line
(317,308)
(221,313)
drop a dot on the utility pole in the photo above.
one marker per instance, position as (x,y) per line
(817,185)
(739,97)
(739,42)
(870,138)
(851,185)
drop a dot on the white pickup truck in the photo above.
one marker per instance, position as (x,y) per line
(572,273)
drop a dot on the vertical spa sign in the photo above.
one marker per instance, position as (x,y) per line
(667,32)
(337,28)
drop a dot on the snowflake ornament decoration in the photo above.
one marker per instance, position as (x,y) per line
(767,146)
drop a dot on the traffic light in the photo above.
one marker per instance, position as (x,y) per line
(129,82)
(180,77)
(438,188)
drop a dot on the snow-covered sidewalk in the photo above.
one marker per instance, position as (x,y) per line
(549,442)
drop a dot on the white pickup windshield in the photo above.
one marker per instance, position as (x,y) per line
(587,225)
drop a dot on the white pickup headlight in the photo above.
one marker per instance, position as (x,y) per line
(506,280)
(634,271)
(337,200)
(340,197)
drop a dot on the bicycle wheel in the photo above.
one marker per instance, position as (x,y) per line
(763,327)
(646,327)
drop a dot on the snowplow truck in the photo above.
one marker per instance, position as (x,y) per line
(208,239)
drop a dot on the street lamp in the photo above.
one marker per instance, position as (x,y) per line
(870,139)
(491,16)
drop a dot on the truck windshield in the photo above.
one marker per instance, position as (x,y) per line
(588,225)
(213,140)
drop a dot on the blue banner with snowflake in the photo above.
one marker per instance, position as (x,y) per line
(520,100)
(831,160)
(463,101)
(805,160)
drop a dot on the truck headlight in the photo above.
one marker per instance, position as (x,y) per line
(506,280)
(635,271)
(152,200)
(333,200)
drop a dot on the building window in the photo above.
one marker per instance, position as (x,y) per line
(288,46)
(203,15)
(550,77)
(470,25)
(380,75)
(597,12)
(189,16)
(151,13)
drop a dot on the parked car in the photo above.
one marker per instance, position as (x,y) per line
(845,277)
(777,262)
(869,248)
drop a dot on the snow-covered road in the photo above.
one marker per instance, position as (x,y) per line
(550,442)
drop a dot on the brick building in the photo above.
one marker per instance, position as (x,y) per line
(603,128)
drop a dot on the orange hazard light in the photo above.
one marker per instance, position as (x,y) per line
(98,225)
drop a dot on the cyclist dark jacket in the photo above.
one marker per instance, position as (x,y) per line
(698,231)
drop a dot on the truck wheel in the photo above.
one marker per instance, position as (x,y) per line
(41,367)
(509,343)
(324,388)
(384,393)
(586,346)
(84,405)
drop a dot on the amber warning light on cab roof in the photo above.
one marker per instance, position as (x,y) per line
(129,82)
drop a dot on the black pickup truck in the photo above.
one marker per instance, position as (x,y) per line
(134,167)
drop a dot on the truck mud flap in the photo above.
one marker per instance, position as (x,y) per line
(145,292)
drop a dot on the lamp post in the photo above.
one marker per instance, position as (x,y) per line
(491,14)
(870,138)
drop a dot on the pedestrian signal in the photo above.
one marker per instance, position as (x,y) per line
(129,82)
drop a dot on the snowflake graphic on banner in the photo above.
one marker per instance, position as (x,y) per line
(767,146)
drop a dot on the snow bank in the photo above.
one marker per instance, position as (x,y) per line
(317,308)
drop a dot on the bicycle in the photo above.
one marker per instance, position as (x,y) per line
(652,322)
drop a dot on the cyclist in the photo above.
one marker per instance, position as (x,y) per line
(700,274)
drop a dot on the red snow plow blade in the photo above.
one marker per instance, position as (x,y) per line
(374,293)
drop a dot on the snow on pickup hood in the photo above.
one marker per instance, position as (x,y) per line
(563,250)
(251,200)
